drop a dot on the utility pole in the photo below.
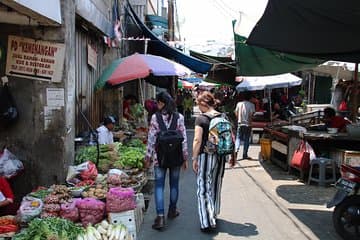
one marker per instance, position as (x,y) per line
(171,20)
(171,37)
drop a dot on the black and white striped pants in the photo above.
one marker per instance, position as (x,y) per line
(209,181)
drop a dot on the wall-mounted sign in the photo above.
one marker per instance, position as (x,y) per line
(40,60)
(55,97)
(91,56)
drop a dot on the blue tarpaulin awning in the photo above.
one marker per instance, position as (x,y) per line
(161,48)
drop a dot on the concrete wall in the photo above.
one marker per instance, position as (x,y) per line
(45,154)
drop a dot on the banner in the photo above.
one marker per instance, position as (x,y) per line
(39,60)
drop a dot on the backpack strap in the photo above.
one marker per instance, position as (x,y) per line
(160,121)
(162,125)
(173,124)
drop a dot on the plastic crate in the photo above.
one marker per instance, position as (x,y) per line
(352,158)
(347,157)
(132,219)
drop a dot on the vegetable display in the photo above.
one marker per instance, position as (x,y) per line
(8,225)
(41,193)
(50,229)
(115,155)
(105,231)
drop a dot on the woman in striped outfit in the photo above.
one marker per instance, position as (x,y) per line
(209,168)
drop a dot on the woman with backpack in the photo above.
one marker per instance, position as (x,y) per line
(163,159)
(209,167)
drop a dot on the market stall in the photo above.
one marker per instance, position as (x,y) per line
(266,83)
(341,147)
(95,202)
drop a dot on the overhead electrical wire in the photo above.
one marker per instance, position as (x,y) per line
(221,10)
(227,14)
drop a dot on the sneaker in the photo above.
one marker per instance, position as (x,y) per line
(208,230)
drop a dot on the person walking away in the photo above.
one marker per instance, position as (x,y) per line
(209,168)
(105,135)
(188,106)
(167,112)
(244,112)
(180,101)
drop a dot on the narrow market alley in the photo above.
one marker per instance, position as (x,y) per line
(247,210)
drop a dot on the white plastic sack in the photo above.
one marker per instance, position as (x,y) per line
(311,151)
(30,208)
(73,171)
(10,165)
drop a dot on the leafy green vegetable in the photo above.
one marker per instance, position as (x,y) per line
(42,193)
(132,157)
(50,228)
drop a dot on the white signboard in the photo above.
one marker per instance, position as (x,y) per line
(55,97)
(53,12)
(49,113)
(40,60)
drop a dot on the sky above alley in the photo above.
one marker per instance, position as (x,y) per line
(202,20)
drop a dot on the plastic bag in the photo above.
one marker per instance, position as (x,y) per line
(120,199)
(86,170)
(311,151)
(343,106)
(91,211)
(30,208)
(90,173)
(9,164)
(70,211)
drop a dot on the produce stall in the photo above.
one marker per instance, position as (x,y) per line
(103,202)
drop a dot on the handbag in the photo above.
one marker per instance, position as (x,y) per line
(301,157)
(343,106)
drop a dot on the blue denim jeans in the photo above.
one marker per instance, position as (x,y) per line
(243,135)
(160,175)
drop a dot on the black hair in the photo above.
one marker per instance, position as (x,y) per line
(330,112)
(247,96)
(108,120)
(131,97)
(170,105)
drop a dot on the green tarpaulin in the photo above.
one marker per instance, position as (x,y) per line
(257,61)
(223,70)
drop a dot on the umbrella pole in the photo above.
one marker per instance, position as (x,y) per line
(142,94)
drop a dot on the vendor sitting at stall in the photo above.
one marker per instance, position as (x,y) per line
(278,113)
(129,100)
(7,205)
(105,135)
(333,121)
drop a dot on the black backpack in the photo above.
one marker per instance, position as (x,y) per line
(169,143)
